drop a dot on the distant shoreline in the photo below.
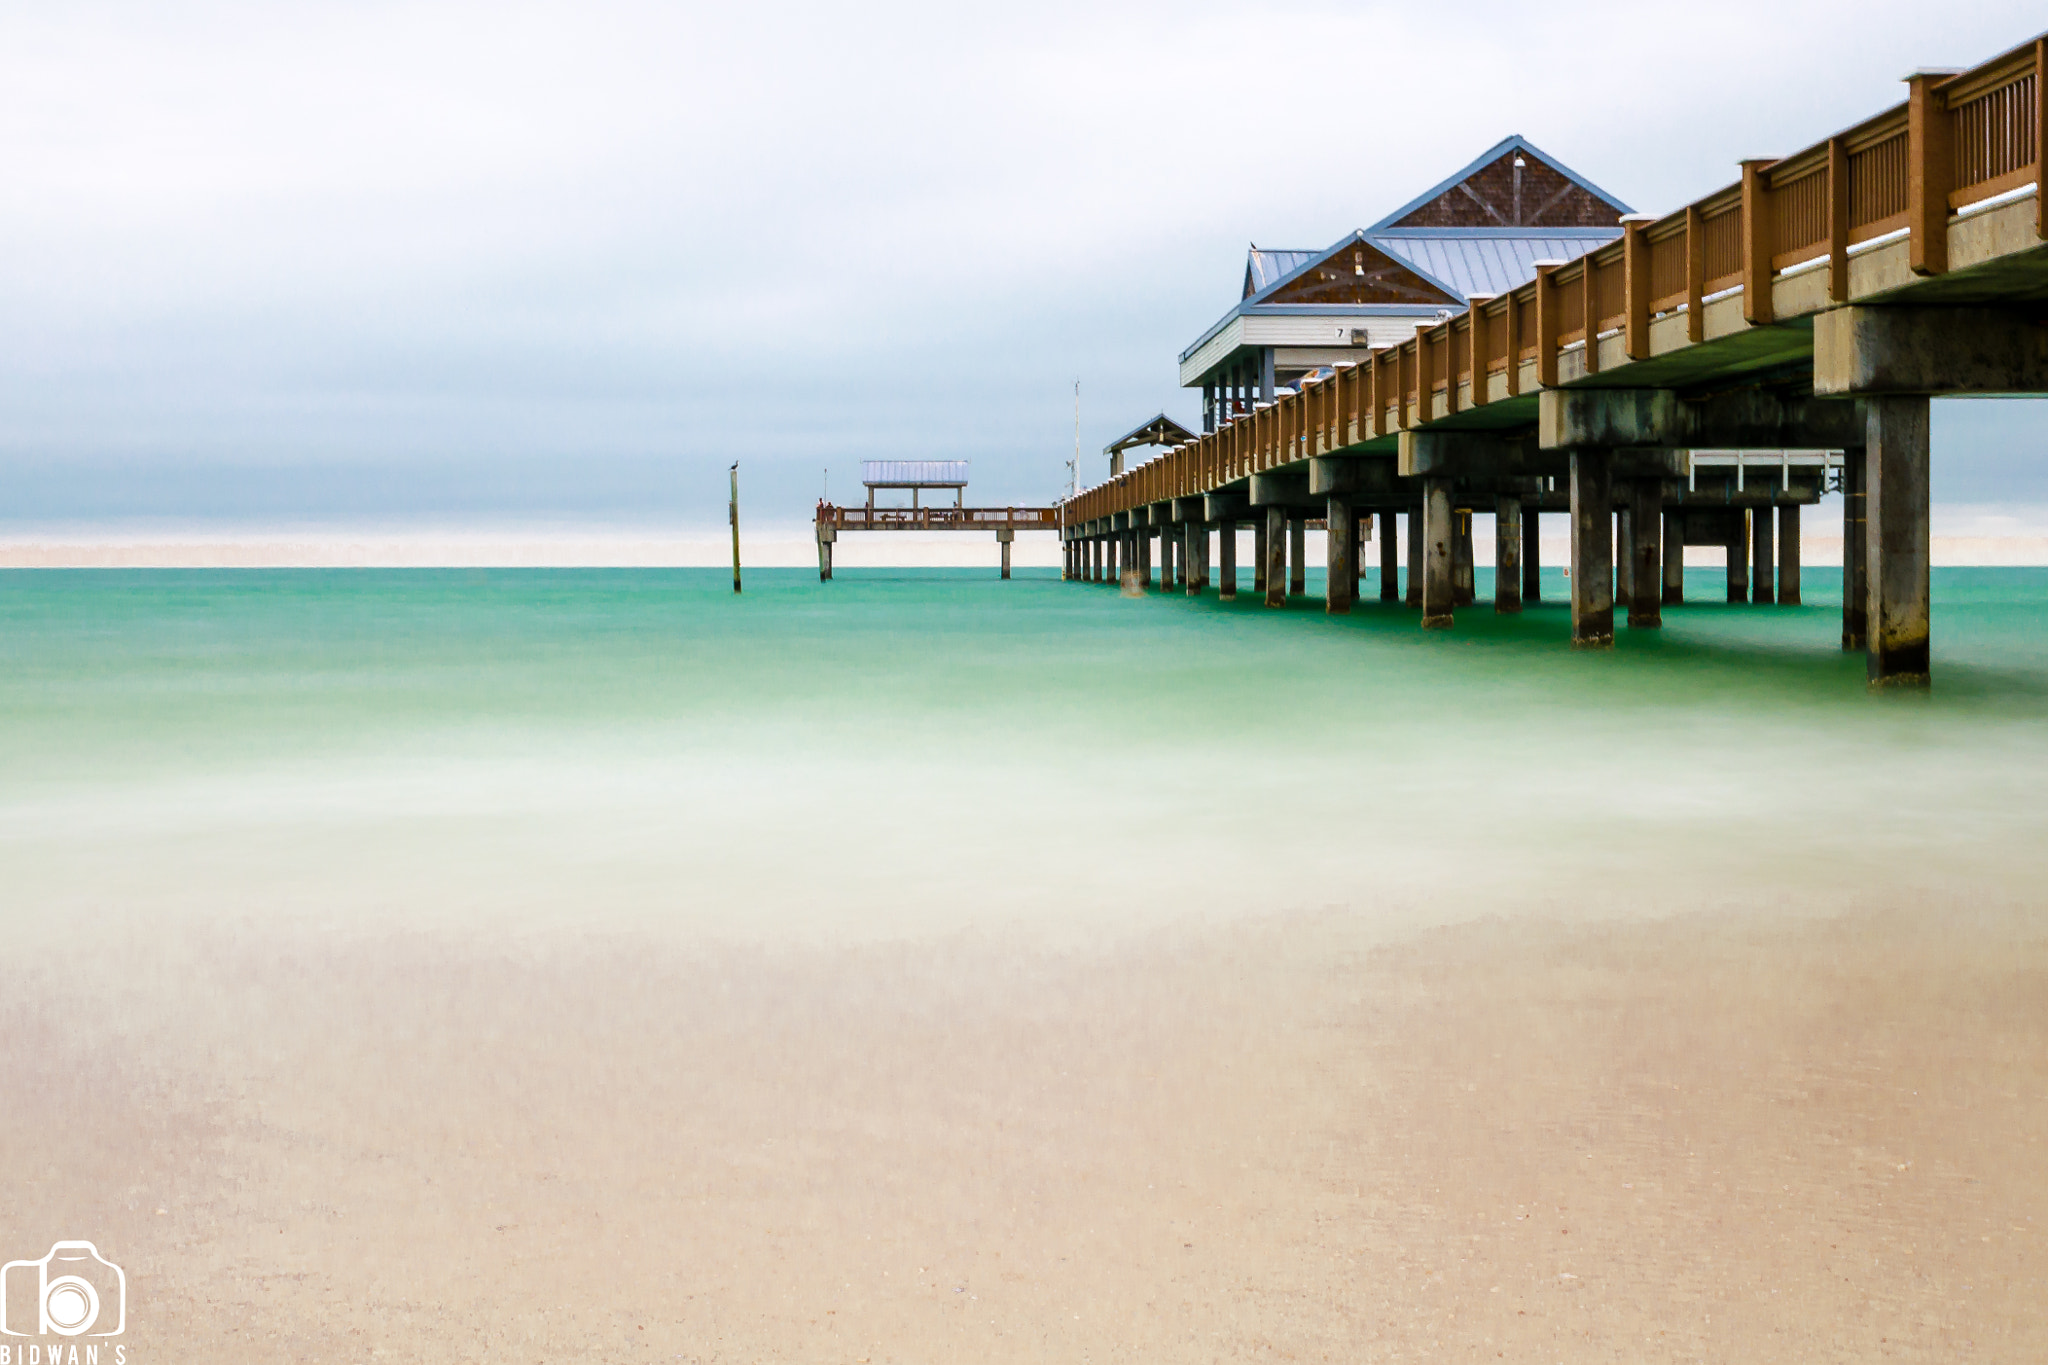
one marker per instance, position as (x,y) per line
(772,546)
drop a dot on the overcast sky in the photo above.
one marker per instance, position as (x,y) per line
(499,260)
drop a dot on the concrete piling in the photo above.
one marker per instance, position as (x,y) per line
(1646,571)
(1003,538)
(1194,540)
(1464,576)
(1507,554)
(1896,538)
(1413,597)
(1532,556)
(1762,557)
(1738,559)
(1592,549)
(1390,559)
(1342,567)
(1855,573)
(1259,555)
(1625,554)
(826,536)
(1439,550)
(1297,556)
(1276,556)
(1226,546)
(1674,558)
(1788,555)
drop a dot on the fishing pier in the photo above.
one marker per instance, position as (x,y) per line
(919,477)
(1697,378)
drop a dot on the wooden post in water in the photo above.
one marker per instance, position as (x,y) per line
(733,515)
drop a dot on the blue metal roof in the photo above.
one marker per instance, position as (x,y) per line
(914,473)
(1265,268)
(1486,260)
(1514,142)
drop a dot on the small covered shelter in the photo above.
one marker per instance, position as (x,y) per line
(915,475)
(1157,431)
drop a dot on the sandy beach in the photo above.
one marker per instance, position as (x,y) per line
(1713,1137)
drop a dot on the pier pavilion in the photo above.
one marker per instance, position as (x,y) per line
(1814,305)
(1477,233)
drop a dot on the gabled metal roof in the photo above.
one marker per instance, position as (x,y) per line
(1515,142)
(1311,259)
(1153,431)
(1486,260)
(914,473)
(1265,268)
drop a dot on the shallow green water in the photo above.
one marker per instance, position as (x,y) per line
(899,751)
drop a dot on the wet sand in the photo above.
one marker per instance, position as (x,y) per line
(1734,1135)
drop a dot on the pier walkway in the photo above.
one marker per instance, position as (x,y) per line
(1813,306)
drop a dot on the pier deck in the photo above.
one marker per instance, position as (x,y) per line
(1814,305)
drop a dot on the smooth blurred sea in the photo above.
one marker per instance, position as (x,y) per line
(935,751)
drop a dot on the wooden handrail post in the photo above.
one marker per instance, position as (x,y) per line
(1425,378)
(1695,274)
(1930,173)
(1838,220)
(1481,352)
(1546,322)
(1590,292)
(1513,326)
(1635,285)
(2041,138)
(1756,244)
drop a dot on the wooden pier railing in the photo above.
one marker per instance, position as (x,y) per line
(1957,142)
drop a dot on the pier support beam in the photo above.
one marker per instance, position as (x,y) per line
(1896,538)
(1276,556)
(1439,541)
(1226,548)
(1259,555)
(1592,549)
(1003,538)
(1646,570)
(1762,557)
(1297,555)
(1674,558)
(1390,557)
(1788,555)
(1855,574)
(1532,556)
(1507,555)
(1342,575)
(1194,540)
(1738,560)
(826,535)
(1413,597)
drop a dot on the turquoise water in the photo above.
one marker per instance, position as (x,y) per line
(901,752)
